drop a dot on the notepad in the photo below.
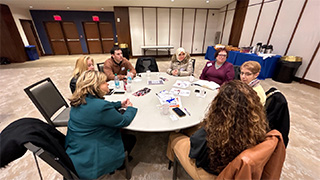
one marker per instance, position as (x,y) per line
(155,82)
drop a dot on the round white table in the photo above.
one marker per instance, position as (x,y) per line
(149,117)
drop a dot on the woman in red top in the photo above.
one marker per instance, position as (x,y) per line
(219,70)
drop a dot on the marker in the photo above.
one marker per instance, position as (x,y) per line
(187,111)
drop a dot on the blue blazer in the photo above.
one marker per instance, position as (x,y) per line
(93,140)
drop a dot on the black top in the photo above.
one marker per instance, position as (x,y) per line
(198,150)
(73,84)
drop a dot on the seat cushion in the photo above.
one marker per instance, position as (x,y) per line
(63,118)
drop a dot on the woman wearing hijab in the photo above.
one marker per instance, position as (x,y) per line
(181,64)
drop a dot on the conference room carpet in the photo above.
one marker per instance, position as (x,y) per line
(149,160)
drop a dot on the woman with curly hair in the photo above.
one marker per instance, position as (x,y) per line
(94,140)
(83,63)
(234,122)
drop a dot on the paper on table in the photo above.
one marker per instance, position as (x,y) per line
(181,84)
(155,82)
(180,92)
(167,97)
(207,84)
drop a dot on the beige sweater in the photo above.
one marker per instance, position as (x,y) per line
(185,66)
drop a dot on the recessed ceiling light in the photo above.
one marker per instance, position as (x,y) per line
(207,1)
(30,7)
(172,0)
(102,9)
(68,7)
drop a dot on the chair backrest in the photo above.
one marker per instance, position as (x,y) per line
(146,63)
(263,161)
(39,137)
(193,65)
(52,160)
(278,114)
(236,72)
(46,97)
(100,66)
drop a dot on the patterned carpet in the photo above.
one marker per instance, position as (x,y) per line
(150,162)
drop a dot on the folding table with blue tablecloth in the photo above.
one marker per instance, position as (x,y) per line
(268,63)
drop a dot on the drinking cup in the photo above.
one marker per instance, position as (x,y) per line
(191,78)
(148,73)
(165,108)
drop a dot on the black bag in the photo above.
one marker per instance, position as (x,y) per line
(4,60)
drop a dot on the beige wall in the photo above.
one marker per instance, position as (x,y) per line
(21,14)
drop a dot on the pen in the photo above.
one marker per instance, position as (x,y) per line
(187,111)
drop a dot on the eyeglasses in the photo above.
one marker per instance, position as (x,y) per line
(224,55)
(246,74)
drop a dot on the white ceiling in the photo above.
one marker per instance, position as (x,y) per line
(107,5)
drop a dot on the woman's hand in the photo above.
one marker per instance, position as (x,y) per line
(175,72)
(126,103)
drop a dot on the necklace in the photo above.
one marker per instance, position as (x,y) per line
(216,65)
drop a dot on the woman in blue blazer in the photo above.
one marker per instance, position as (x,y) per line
(93,140)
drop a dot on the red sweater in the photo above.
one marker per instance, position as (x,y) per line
(224,74)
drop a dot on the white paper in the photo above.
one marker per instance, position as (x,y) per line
(181,84)
(207,84)
(180,92)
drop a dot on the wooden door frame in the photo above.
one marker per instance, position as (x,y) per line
(84,30)
(100,34)
(47,34)
(34,33)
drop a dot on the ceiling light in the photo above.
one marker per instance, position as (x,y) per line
(207,1)
(30,7)
(68,7)
(172,0)
(102,9)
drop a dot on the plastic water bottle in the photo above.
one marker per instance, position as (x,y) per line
(129,76)
(116,81)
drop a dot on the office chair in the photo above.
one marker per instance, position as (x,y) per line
(263,161)
(193,65)
(146,63)
(47,98)
(100,66)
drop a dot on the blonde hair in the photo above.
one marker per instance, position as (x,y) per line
(252,66)
(88,83)
(81,66)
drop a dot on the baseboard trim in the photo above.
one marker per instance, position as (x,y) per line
(307,82)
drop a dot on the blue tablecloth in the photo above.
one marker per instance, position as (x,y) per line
(268,65)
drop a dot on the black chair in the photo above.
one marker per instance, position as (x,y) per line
(146,63)
(236,72)
(193,65)
(278,113)
(47,98)
(42,139)
(50,159)
(100,66)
